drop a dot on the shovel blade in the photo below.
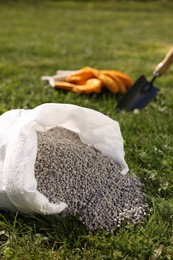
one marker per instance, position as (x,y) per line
(141,93)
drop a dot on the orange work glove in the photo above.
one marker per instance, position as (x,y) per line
(89,80)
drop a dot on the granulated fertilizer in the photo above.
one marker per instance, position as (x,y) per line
(91,184)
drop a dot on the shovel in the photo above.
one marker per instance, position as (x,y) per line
(143,91)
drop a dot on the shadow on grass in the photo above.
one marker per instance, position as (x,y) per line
(54,230)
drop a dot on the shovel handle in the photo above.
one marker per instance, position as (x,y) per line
(163,66)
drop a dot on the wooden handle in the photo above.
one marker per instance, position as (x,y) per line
(163,66)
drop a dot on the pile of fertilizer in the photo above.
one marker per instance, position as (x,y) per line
(90,183)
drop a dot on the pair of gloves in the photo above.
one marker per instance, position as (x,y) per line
(89,80)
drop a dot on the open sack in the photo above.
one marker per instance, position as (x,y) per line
(18,150)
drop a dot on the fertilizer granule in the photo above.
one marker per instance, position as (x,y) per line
(90,183)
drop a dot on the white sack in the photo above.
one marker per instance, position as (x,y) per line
(18,149)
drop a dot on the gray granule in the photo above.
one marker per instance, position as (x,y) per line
(91,184)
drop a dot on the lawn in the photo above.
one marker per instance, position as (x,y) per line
(38,38)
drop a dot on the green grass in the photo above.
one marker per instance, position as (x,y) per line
(41,37)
